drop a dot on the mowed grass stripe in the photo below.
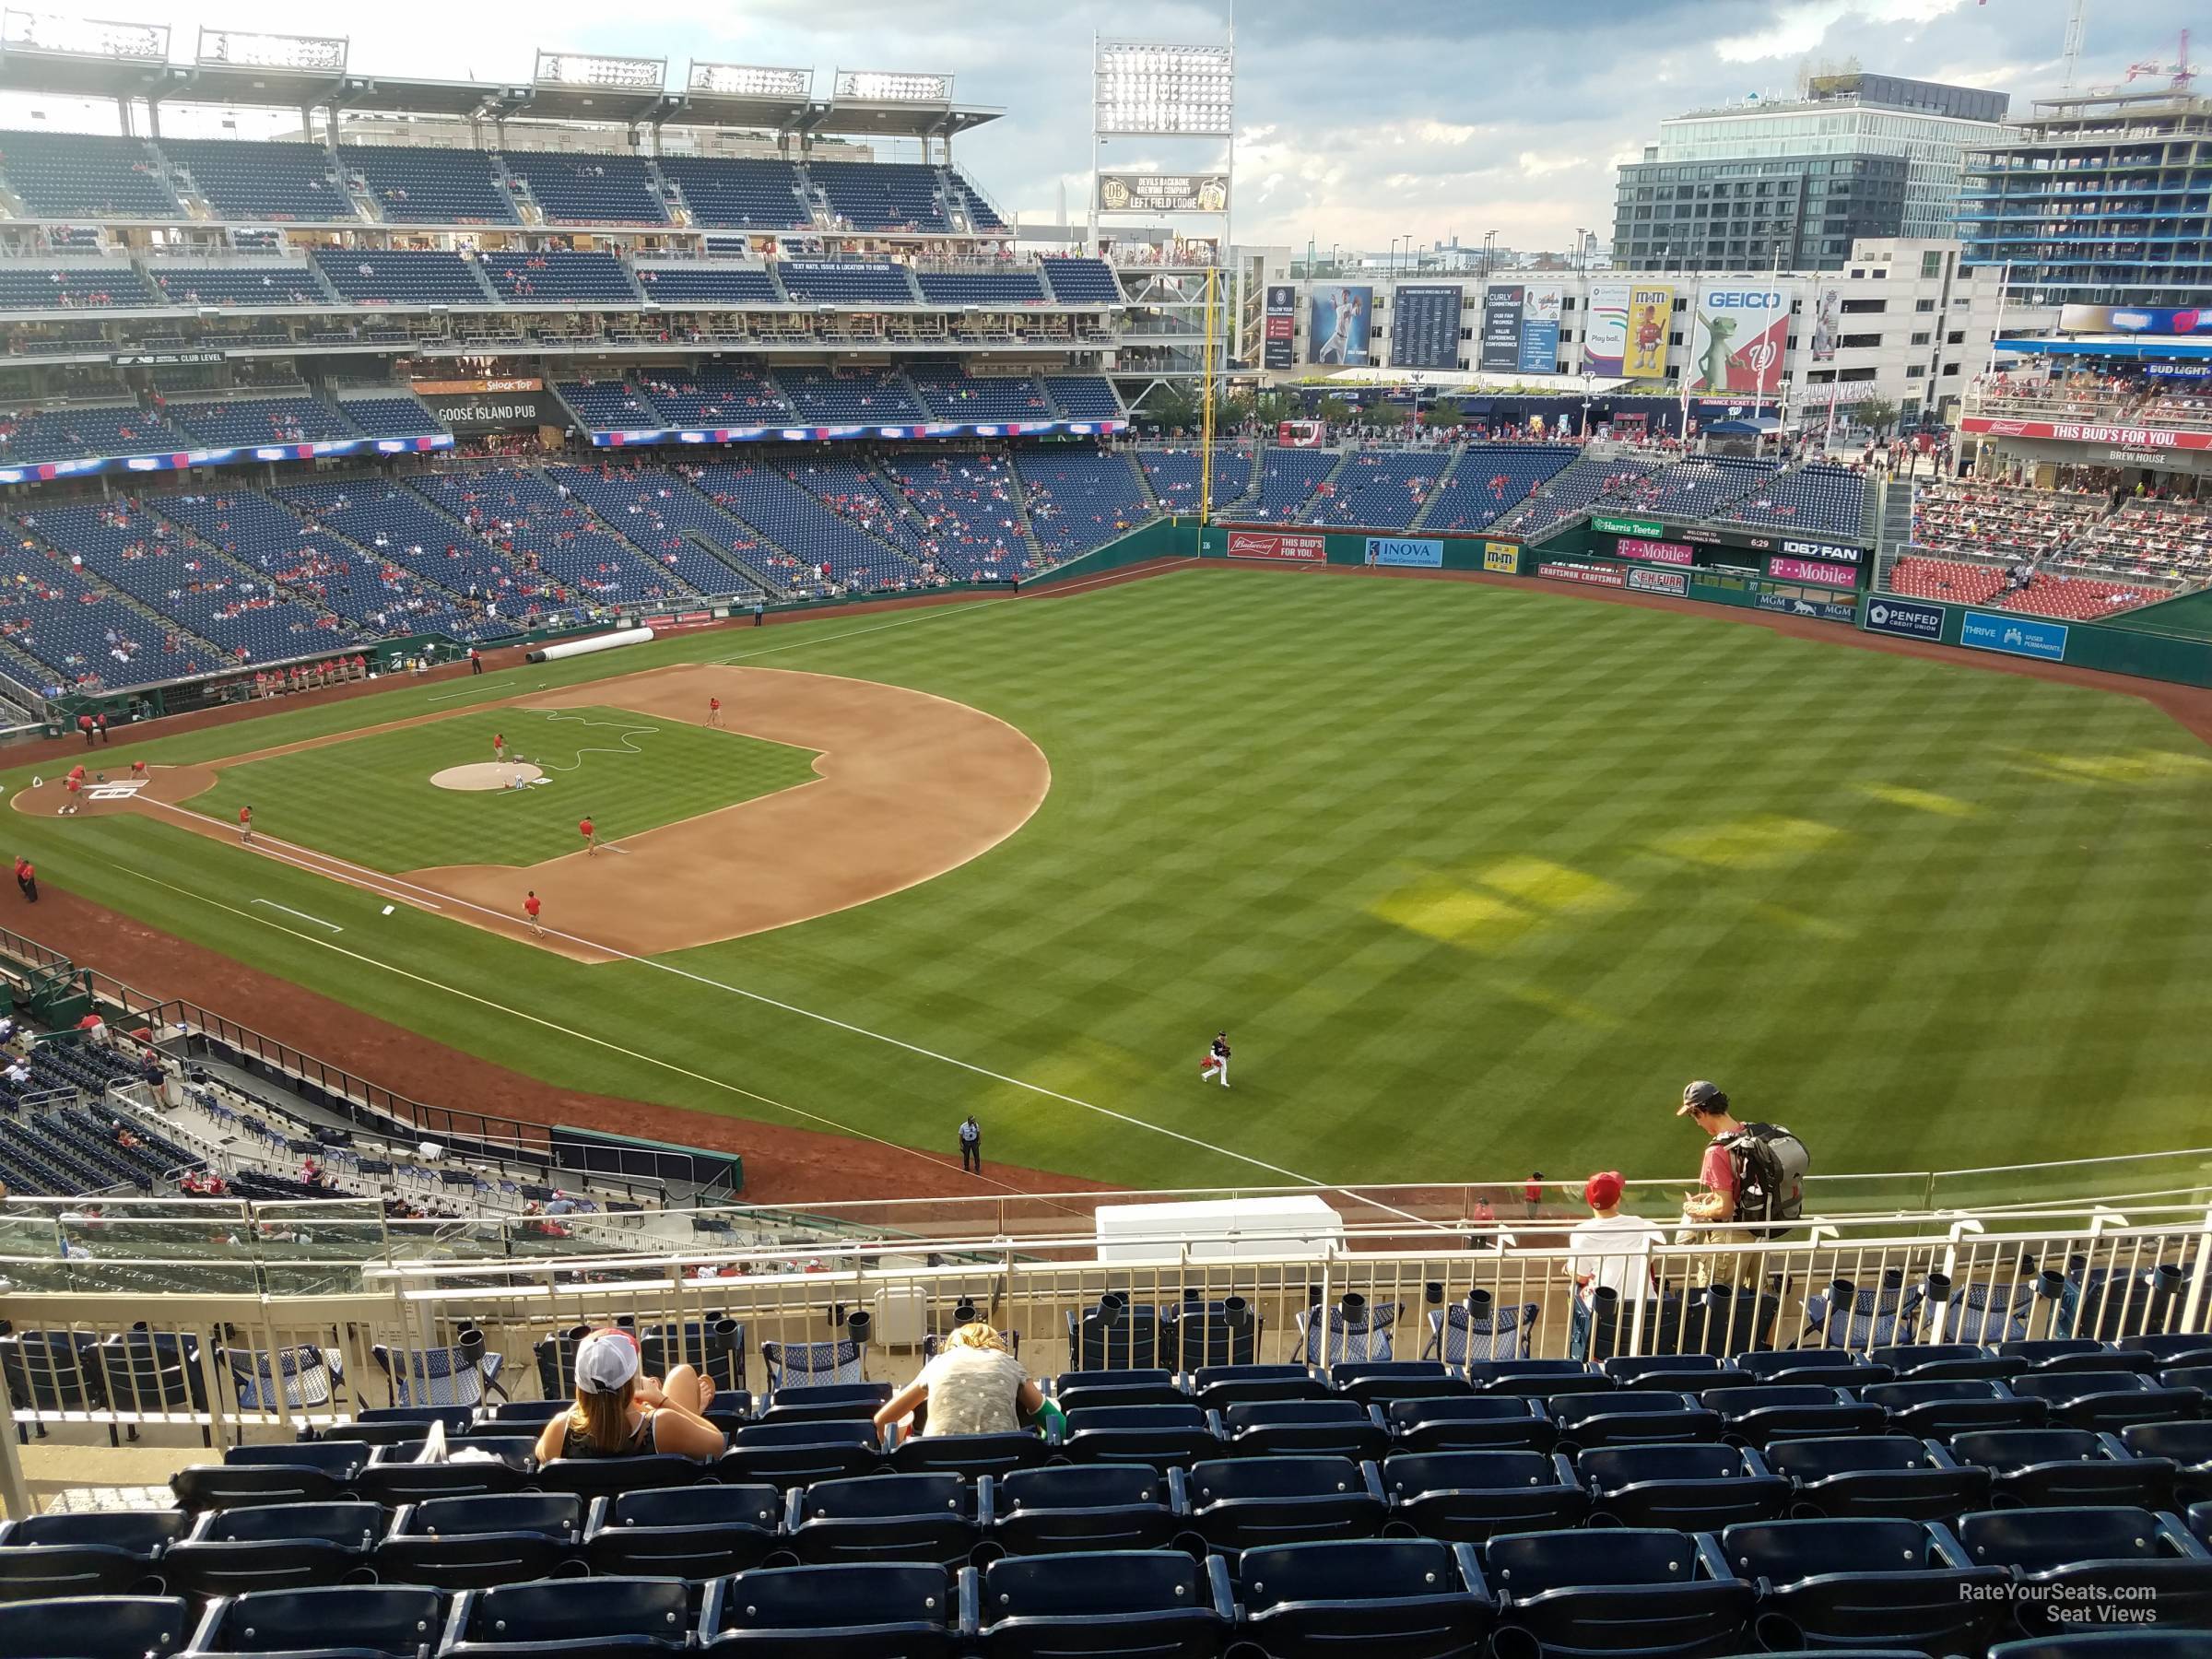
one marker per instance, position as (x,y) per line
(628,772)
(1476,877)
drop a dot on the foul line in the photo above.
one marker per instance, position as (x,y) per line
(303,916)
(667,1065)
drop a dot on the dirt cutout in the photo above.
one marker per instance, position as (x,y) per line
(910,786)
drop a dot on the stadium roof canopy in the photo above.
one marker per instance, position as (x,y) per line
(2115,348)
(777,102)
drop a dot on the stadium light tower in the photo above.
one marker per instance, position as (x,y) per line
(1150,90)
(234,48)
(592,69)
(84,36)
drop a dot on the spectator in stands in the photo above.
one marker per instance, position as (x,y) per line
(620,1414)
(1709,1211)
(973,1386)
(18,1074)
(1606,1248)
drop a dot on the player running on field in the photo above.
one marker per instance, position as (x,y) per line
(530,906)
(246,826)
(589,831)
(1216,1064)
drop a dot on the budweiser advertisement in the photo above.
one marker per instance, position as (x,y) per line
(2087,431)
(1288,550)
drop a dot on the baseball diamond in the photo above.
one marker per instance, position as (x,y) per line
(1456,860)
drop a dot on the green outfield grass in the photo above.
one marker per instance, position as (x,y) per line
(370,799)
(1475,877)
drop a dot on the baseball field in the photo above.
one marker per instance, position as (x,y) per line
(1474,875)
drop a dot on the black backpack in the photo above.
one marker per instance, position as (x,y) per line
(1769,1164)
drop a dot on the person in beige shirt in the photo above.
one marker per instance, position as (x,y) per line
(973,1386)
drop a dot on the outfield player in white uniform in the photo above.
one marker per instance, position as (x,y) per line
(1216,1064)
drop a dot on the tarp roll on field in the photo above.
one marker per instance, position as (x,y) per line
(606,641)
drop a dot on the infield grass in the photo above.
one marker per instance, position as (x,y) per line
(1475,876)
(628,772)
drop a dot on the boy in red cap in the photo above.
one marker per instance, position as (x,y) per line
(1609,1254)
(589,831)
(532,904)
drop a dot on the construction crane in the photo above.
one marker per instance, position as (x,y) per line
(2179,74)
(2070,54)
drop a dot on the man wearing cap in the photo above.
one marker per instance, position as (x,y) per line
(1710,1210)
(1607,1253)
(619,1414)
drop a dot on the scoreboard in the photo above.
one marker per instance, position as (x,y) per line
(1424,329)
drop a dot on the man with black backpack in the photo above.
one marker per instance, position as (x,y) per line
(1752,1178)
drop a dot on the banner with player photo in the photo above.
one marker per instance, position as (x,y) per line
(1650,321)
(1540,312)
(1502,306)
(1606,328)
(1738,333)
(1279,349)
(1163,192)
(1338,329)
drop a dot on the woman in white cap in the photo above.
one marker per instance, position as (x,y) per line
(619,1414)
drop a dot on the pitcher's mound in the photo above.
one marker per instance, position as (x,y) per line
(487,775)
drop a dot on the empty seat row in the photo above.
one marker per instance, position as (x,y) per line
(1875,1587)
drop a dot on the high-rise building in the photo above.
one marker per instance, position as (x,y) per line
(2099,199)
(1859,156)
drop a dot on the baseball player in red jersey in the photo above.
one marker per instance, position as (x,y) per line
(73,783)
(498,746)
(246,826)
(138,769)
(714,711)
(530,906)
(589,831)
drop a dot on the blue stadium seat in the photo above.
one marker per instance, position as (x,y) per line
(1093,397)
(2069,1557)
(263,180)
(101,1553)
(1163,1436)
(1855,1477)
(2107,1399)
(1940,1408)
(606,1477)
(1635,1591)
(2168,1350)
(2051,1355)
(1469,1496)
(802,1402)
(1083,281)
(1825,1583)
(1378,1381)
(1377,489)
(1412,1598)
(459,1374)
(1756,1415)
(1826,1367)
(272,1546)
(795,1454)
(1217,1387)
(1351,1330)
(83,175)
(971,1456)
(883,196)
(807,1367)
(393,1477)
(884,1518)
(1489,481)
(413,185)
(1078,1507)
(389,1425)
(1476,1423)
(1944,1362)
(2188,1445)
(1815,501)
(95,1626)
(1681,1488)
(706,283)
(1250,1502)
(880,1611)
(473,1542)
(692,1532)
(2038,1468)
(1980,1312)
(1195,1334)
(416,276)
(1274,1427)
(1537,1379)
(1148,1386)
(1631,1417)
(302,1472)
(357,1621)
(1675,1373)
(570,1618)
(574,188)
(732,193)
(1123,1604)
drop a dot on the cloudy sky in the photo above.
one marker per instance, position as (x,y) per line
(1357,122)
